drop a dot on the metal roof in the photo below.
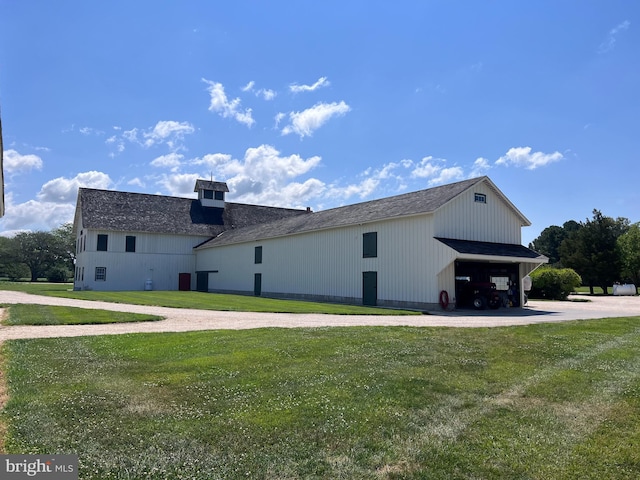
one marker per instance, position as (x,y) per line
(470,247)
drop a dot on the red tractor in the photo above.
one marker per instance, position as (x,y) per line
(480,295)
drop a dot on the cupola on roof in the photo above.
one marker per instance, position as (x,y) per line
(210,185)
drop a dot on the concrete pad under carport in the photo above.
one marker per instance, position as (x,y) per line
(578,307)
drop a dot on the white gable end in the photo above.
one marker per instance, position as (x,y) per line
(468,217)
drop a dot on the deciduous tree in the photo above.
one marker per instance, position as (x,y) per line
(629,245)
(592,250)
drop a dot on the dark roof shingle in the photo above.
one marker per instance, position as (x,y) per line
(139,212)
(211,185)
(414,203)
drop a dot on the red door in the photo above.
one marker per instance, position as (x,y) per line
(184,282)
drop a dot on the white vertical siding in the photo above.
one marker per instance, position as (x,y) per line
(463,218)
(412,267)
(330,263)
(159,258)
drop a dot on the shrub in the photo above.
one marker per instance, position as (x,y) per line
(554,283)
(16,271)
(58,274)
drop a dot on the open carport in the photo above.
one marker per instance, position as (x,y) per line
(502,266)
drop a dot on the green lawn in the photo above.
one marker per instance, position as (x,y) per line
(596,290)
(53,315)
(199,300)
(547,401)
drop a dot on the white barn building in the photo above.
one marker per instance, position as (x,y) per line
(133,241)
(401,251)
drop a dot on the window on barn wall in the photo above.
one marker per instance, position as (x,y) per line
(102,242)
(208,194)
(480,198)
(130,243)
(370,245)
(101,274)
(258,255)
(219,195)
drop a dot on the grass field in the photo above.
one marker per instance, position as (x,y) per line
(202,301)
(54,315)
(548,401)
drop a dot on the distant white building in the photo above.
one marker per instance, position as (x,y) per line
(415,250)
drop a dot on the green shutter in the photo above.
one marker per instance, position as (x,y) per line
(370,245)
(102,242)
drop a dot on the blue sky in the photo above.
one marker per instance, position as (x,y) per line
(321,104)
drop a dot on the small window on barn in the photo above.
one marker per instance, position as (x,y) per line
(370,245)
(480,198)
(208,194)
(258,255)
(219,195)
(101,274)
(102,242)
(130,243)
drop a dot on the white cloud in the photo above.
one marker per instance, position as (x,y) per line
(266,162)
(60,190)
(446,175)
(171,160)
(428,167)
(610,42)
(136,182)
(131,135)
(322,82)
(267,94)
(264,176)
(480,167)
(179,184)
(15,162)
(226,108)
(297,194)
(434,169)
(169,131)
(54,206)
(362,189)
(374,178)
(306,122)
(118,144)
(34,215)
(213,160)
(86,131)
(278,118)
(522,157)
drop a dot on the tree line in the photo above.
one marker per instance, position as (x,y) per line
(37,255)
(602,250)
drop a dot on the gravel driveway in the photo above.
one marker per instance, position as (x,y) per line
(183,320)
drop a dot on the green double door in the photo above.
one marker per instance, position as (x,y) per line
(370,288)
